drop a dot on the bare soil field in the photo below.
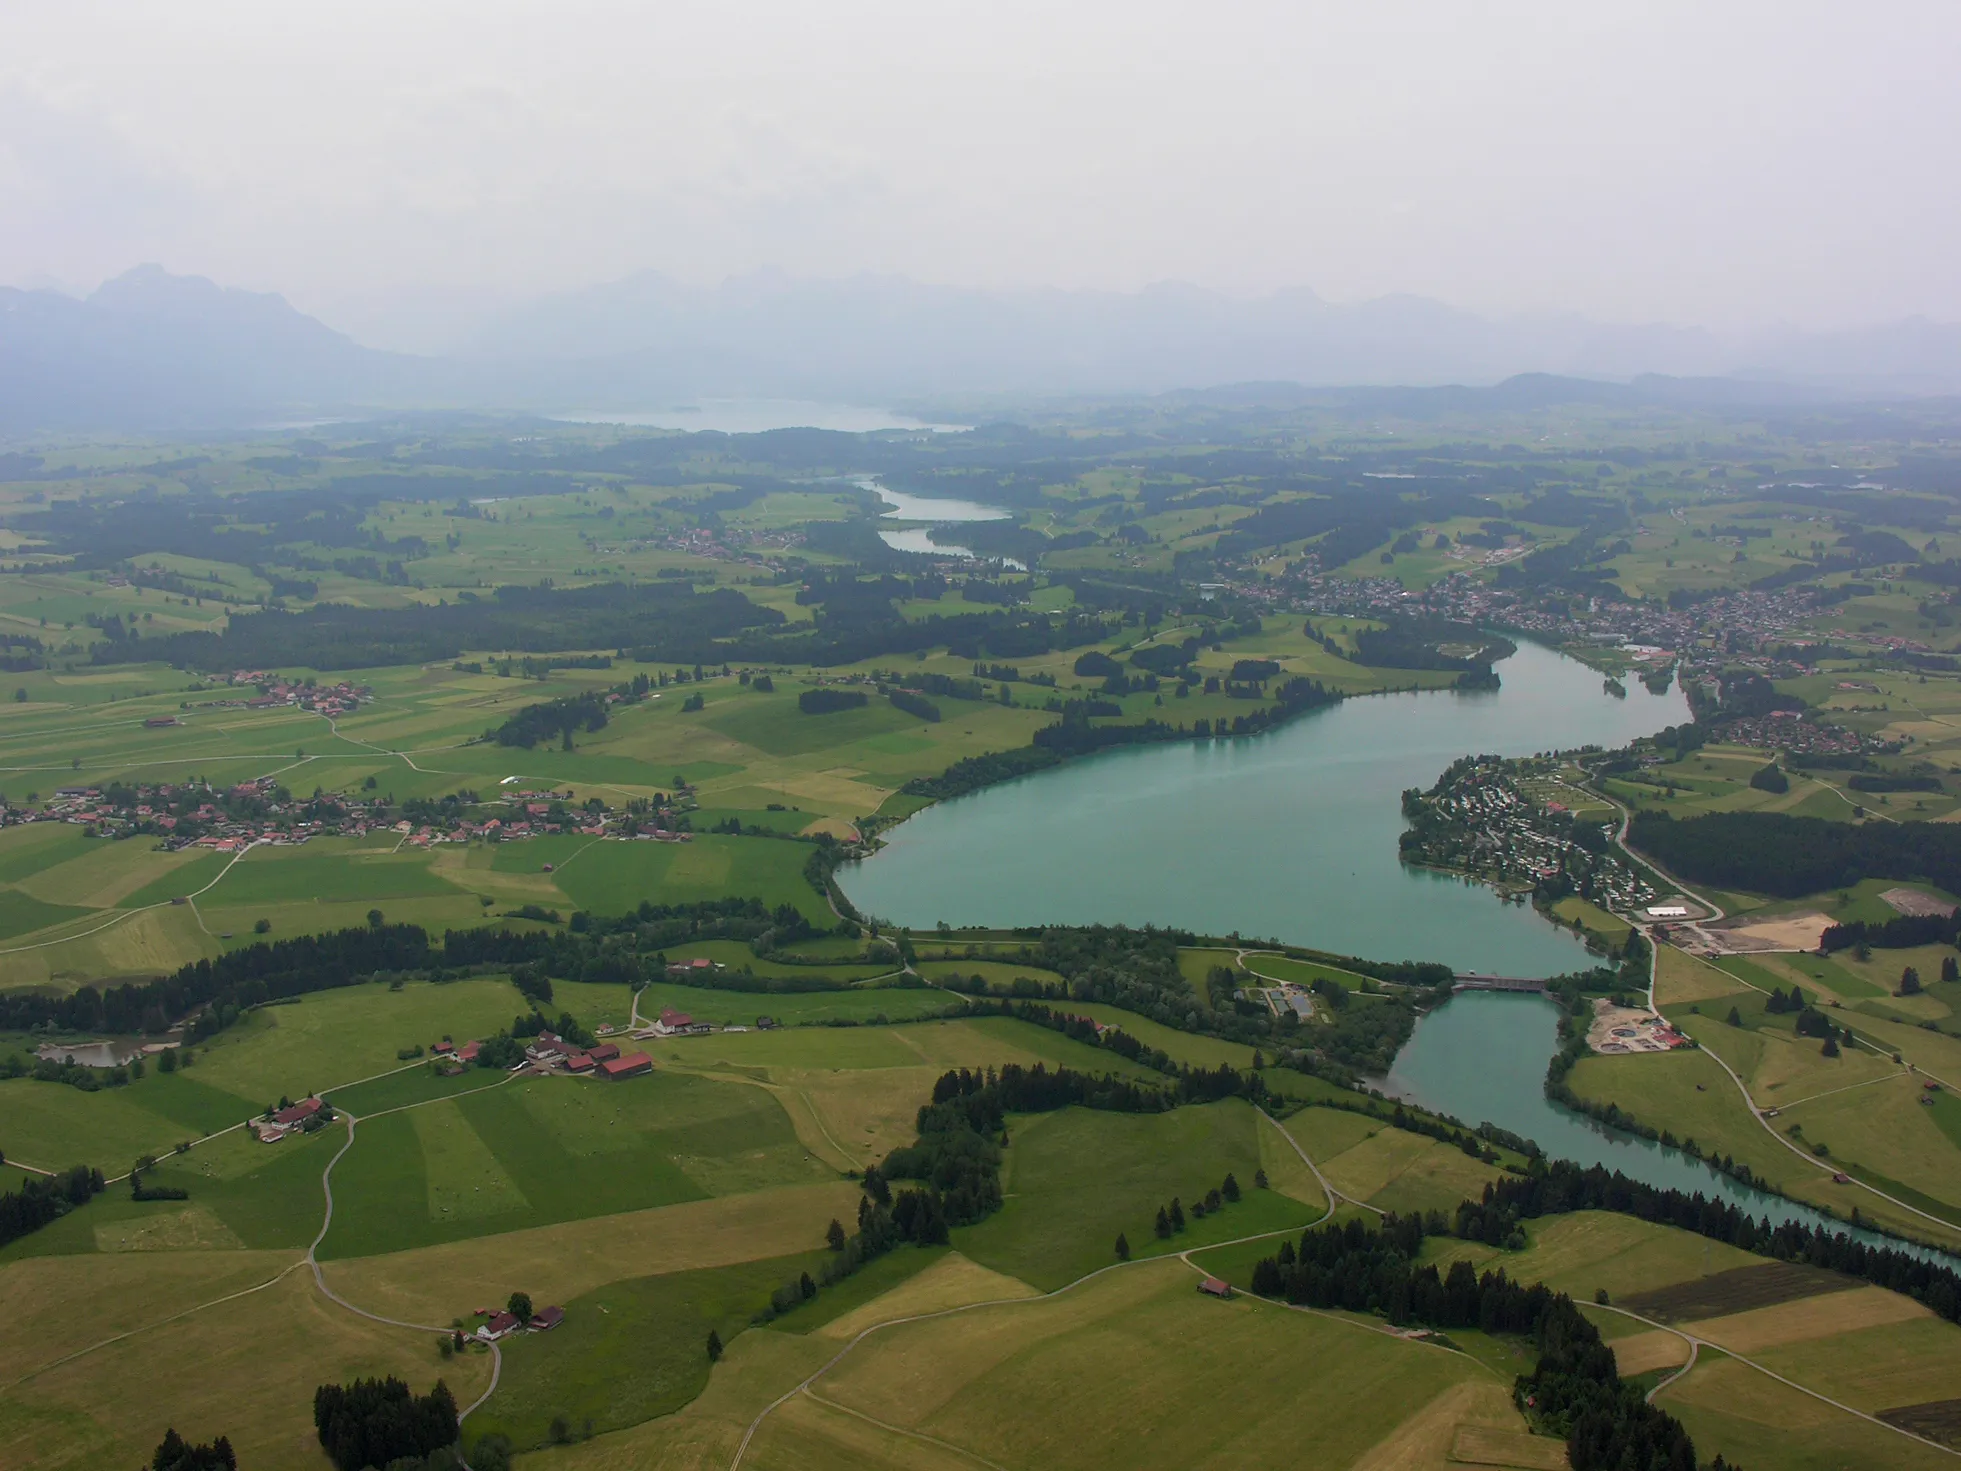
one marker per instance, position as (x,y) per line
(1937,1420)
(1736,1291)
(1786,932)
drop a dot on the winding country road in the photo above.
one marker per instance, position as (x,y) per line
(326,1224)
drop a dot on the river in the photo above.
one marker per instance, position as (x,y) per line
(1481,1057)
(1289,835)
(1292,835)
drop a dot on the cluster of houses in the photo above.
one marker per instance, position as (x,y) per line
(322,699)
(674,1023)
(295,1118)
(498,1325)
(553,1054)
(196,814)
(1479,820)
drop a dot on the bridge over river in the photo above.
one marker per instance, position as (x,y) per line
(1471,981)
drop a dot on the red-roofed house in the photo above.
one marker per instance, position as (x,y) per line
(632,1065)
(497,1327)
(299,1113)
(468,1051)
(674,1023)
(578,1062)
(545,1046)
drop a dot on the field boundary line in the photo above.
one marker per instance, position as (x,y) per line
(1654,973)
(234,1128)
(279,1276)
(947,1445)
(1770,1374)
(124,914)
(312,1262)
(1332,1193)
(742,1449)
(1829,1092)
(1813,1160)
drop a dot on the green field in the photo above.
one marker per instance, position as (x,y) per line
(630,1351)
(1076,1179)
(557,1149)
(1305,972)
(1859,1106)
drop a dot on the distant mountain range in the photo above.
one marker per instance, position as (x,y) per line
(153,350)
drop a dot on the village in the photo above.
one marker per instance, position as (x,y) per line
(199,814)
(1477,820)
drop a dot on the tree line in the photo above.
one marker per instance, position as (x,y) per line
(1775,853)
(1903,932)
(42,1199)
(594,948)
(1575,1389)
(1076,736)
(666,622)
(375,1422)
(567,715)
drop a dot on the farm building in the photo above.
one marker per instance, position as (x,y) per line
(578,1062)
(674,1023)
(632,1065)
(499,1325)
(287,1120)
(604,1052)
(1213,1287)
(546,1318)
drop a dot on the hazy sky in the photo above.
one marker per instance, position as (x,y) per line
(1729,163)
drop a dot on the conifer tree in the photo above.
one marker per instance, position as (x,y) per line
(1123,1247)
(714,1347)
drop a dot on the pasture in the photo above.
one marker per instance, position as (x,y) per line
(629,1351)
(246,1369)
(543,1150)
(1075,1179)
(1028,1382)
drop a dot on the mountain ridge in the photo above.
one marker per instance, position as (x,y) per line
(149,349)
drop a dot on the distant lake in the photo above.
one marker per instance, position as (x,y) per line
(757,416)
(941,512)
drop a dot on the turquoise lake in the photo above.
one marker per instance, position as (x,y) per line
(1290,835)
